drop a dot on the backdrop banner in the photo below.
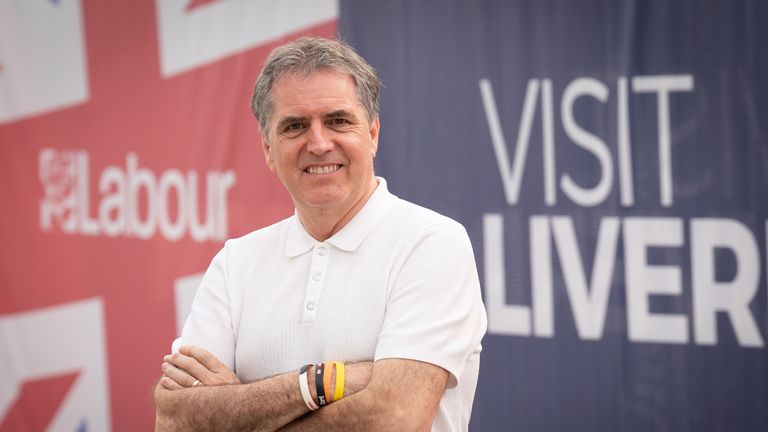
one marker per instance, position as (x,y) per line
(128,154)
(608,158)
(610,161)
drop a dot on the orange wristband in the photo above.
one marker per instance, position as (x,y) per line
(327,382)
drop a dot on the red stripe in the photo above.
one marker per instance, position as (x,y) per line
(197,3)
(37,403)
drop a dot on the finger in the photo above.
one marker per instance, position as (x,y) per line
(191,366)
(217,373)
(180,376)
(170,384)
(208,360)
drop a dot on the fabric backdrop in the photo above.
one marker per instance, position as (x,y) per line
(608,159)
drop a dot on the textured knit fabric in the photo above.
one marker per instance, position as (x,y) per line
(398,281)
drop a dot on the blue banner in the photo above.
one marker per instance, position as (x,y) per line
(609,160)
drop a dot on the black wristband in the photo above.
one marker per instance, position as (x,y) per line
(319,371)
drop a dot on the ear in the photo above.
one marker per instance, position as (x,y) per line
(267,153)
(375,127)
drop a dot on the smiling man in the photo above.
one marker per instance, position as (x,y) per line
(362,311)
(322,148)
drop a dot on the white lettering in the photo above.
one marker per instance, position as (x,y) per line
(197,230)
(625,149)
(112,211)
(86,224)
(548,137)
(126,194)
(656,310)
(172,179)
(541,276)
(662,85)
(510,178)
(138,179)
(733,297)
(588,302)
(587,197)
(502,318)
(643,280)
(512,174)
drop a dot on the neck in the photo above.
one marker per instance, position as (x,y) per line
(322,223)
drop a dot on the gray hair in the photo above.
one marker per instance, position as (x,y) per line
(305,56)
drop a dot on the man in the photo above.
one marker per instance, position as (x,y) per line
(357,275)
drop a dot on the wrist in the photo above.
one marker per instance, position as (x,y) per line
(304,376)
(318,383)
(311,382)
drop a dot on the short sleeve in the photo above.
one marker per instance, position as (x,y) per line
(209,324)
(435,312)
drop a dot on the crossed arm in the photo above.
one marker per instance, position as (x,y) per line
(391,394)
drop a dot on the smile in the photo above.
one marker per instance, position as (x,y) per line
(326,169)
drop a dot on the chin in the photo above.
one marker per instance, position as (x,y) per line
(324,200)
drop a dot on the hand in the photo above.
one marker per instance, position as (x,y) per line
(192,364)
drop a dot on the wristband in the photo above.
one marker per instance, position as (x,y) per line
(327,382)
(339,388)
(319,370)
(304,387)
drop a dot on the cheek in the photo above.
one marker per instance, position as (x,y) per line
(285,159)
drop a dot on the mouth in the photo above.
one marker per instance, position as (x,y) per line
(323,169)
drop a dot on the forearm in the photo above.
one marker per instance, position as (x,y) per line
(403,395)
(363,412)
(260,406)
(354,413)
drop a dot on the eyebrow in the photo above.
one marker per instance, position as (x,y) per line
(341,114)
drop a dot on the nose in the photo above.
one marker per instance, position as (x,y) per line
(318,142)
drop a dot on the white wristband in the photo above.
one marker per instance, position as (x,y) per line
(304,386)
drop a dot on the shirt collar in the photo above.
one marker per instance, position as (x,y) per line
(299,241)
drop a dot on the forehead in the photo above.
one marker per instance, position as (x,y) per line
(321,90)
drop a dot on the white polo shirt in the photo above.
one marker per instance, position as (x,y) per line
(398,281)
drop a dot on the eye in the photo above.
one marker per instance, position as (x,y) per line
(294,126)
(338,121)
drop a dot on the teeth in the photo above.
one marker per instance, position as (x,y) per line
(323,169)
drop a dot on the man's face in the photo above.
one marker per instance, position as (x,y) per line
(320,142)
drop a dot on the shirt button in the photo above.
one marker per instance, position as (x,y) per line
(317,276)
(322,251)
(310,306)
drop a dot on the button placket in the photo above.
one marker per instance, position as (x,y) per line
(317,270)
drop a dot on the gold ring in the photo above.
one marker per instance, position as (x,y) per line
(196,383)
